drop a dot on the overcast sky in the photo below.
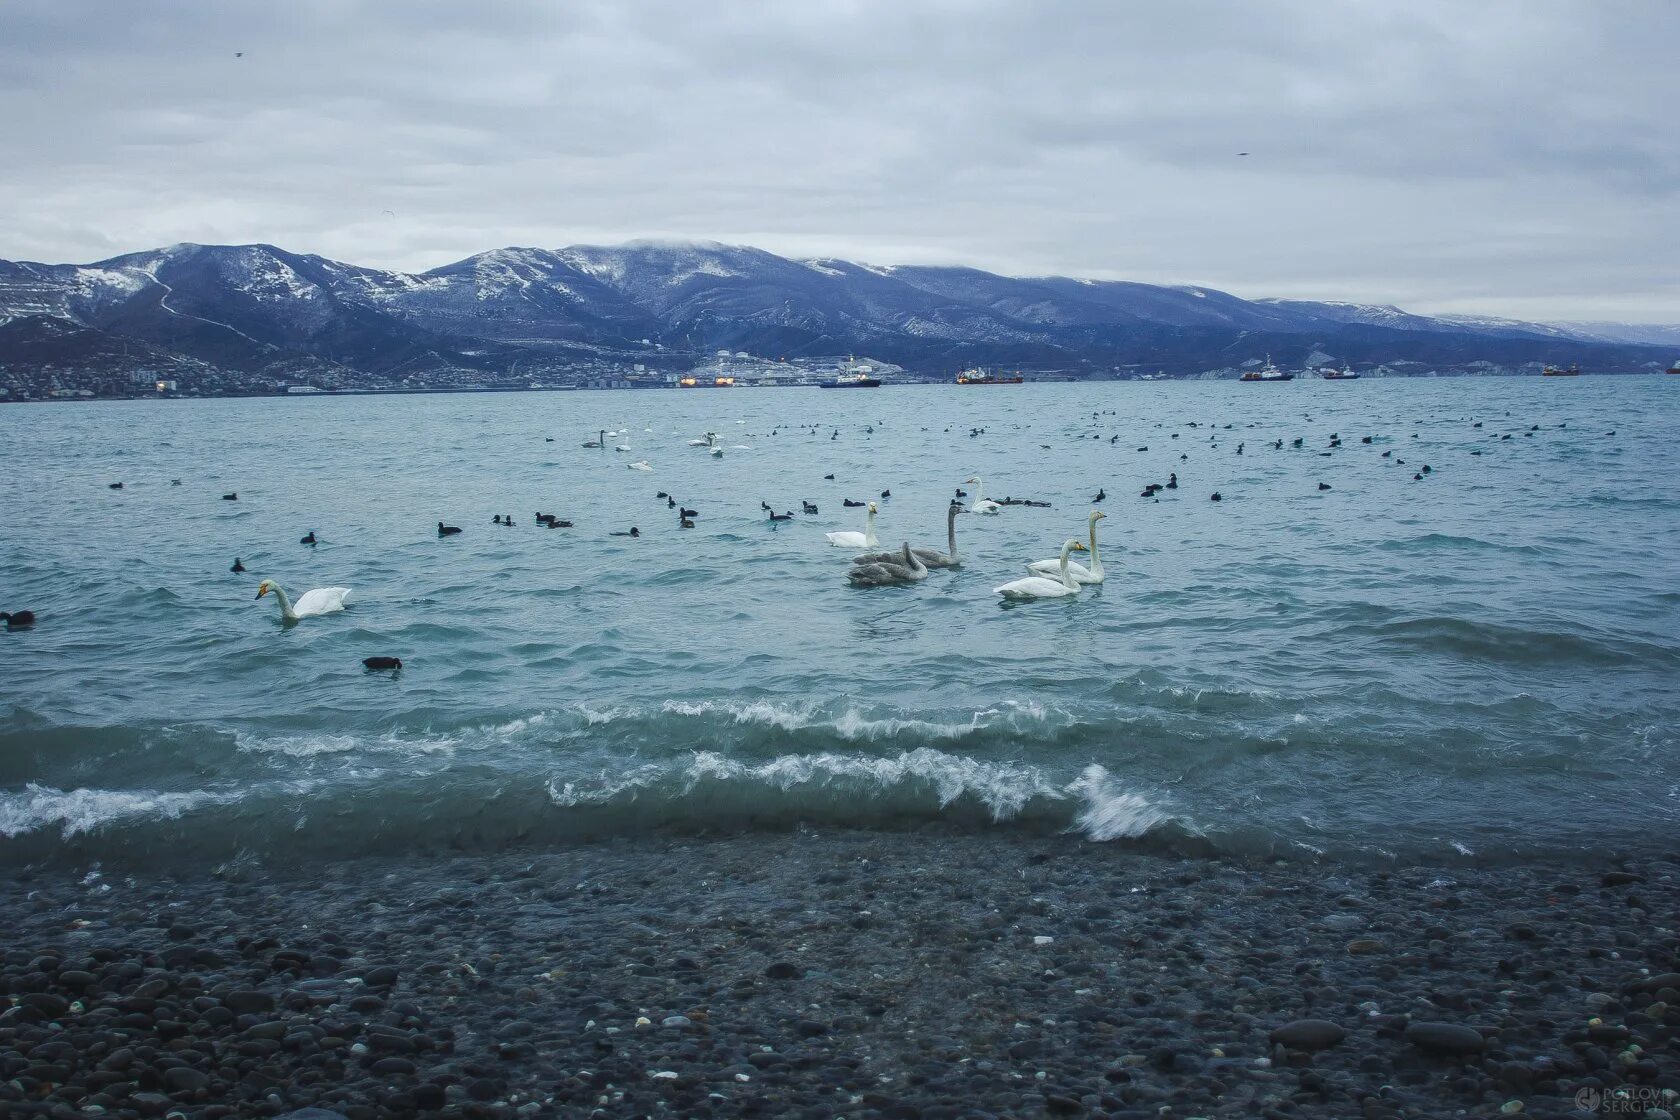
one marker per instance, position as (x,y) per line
(1518,158)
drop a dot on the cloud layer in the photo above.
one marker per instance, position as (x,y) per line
(1505,157)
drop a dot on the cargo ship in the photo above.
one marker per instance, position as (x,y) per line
(1268,372)
(1343,374)
(978,376)
(1675,368)
(1559,371)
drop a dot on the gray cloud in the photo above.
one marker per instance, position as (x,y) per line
(1509,156)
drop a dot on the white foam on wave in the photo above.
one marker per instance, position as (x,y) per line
(594,717)
(84,810)
(788,717)
(1004,788)
(514,728)
(854,724)
(313,745)
(1107,812)
(605,787)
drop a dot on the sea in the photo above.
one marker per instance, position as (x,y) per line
(1466,648)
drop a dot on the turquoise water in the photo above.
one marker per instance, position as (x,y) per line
(1480,663)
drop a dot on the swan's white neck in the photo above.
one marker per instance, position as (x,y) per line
(286,611)
(1096,561)
(1067,580)
(951,531)
(869,531)
(979,490)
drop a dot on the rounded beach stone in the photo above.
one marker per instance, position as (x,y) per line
(1445,1038)
(1308,1034)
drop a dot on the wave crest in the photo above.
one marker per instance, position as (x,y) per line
(84,810)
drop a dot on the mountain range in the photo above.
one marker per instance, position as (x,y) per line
(265,312)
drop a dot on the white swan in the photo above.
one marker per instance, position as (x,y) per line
(622,447)
(709,441)
(322,600)
(641,465)
(601,442)
(1041,587)
(927,556)
(1079,572)
(903,568)
(983,505)
(865,539)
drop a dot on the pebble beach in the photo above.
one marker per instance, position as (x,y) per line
(930,973)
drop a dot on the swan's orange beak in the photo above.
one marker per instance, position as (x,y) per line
(261,591)
(1080,548)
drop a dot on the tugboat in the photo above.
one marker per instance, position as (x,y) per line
(1343,374)
(1559,371)
(853,376)
(978,376)
(1675,368)
(1268,372)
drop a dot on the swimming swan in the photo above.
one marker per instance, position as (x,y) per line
(322,600)
(903,568)
(1041,587)
(982,504)
(1079,572)
(927,556)
(865,539)
(601,442)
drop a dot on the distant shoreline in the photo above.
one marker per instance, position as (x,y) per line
(1441,376)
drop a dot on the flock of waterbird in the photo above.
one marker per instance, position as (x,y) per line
(1054,578)
(1046,579)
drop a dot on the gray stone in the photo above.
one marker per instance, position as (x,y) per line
(1308,1034)
(246,1002)
(1446,1038)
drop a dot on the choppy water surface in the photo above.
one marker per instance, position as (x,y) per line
(1483,662)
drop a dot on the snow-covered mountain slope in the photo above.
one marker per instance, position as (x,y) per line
(247,305)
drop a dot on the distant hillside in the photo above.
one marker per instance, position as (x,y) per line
(261,311)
